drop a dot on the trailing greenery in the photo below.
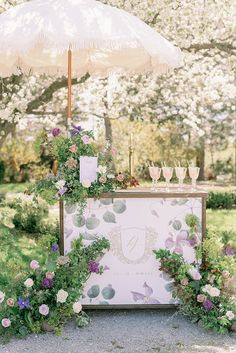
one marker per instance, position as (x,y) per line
(45,296)
(203,287)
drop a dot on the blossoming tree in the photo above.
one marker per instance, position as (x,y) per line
(199,97)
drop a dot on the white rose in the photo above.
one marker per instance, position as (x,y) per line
(60,184)
(62,296)
(110,176)
(86,183)
(2,296)
(230,315)
(101,169)
(29,283)
(214,292)
(77,307)
(206,288)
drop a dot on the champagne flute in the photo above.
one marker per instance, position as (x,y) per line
(155,173)
(194,174)
(181,174)
(167,173)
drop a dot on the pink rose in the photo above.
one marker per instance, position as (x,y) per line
(34,264)
(120,177)
(6,322)
(194,274)
(201,298)
(184,282)
(73,149)
(86,139)
(44,309)
(10,302)
(102,179)
(50,275)
(230,315)
(71,163)
(225,274)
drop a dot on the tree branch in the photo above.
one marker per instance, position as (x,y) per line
(47,95)
(227,47)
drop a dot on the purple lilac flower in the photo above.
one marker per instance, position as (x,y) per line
(208,305)
(62,191)
(76,130)
(56,131)
(54,247)
(93,266)
(47,283)
(23,303)
(228,251)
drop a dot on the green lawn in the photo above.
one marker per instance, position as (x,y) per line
(223,220)
(17,187)
(17,249)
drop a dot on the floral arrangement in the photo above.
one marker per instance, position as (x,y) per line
(65,183)
(202,287)
(46,296)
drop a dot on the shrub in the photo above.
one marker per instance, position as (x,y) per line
(29,214)
(221,200)
(2,171)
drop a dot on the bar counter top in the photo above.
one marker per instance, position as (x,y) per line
(160,193)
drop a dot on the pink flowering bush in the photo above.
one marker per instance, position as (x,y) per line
(202,289)
(47,295)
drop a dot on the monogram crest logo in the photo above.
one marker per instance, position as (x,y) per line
(133,245)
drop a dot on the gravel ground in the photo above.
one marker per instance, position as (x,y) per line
(139,331)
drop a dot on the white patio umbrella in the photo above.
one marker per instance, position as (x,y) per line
(40,36)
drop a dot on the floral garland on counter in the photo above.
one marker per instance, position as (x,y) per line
(46,296)
(203,290)
(65,184)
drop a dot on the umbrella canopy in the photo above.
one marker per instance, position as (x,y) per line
(36,36)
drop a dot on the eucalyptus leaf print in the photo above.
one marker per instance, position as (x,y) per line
(108,292)
(177,225)
(154,213)
(70,208)
(119,206)
(68,232)
(106,202)
(92,222)
(169,287)
(109,217)
(182,201)
(94,291)
(78,220)
(88,236)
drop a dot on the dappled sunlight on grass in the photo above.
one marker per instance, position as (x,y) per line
(17,250)
(17,187)
(223,220)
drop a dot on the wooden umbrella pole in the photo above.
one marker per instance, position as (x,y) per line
(69,115)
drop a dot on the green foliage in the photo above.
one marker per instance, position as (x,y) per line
(202,291)
(222,167)
(225,200)
(58,284)
(2,171)
(29,214)
(66,184)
